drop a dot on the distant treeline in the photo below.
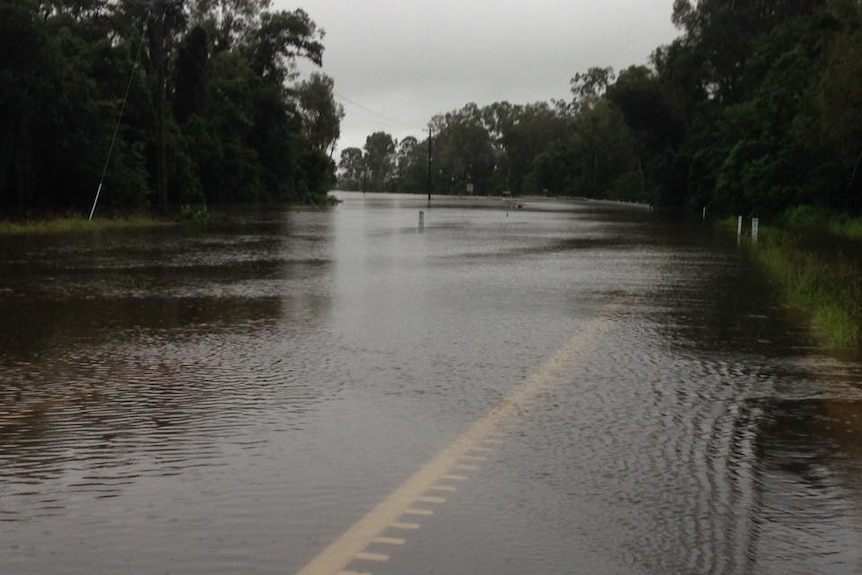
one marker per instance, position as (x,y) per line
(756,107)
(215,111)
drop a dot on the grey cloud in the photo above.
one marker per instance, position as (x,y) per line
(404,61)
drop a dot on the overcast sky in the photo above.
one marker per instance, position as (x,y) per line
(396,63)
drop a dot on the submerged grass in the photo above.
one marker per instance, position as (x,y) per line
(78,224)
(829,291)
(813,257)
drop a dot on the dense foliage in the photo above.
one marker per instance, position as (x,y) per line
(215,111)
(755,108)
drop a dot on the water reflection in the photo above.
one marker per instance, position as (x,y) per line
(232,398)
(774,434)
(135,355)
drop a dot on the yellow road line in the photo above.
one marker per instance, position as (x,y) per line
(465,467)
(351,544)
(402,525)
(429,499)
(389,541)
(410,511)
(454,478)
(448,488)
(376,557)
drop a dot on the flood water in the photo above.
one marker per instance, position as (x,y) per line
(231,399)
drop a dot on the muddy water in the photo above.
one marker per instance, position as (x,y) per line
(231,399)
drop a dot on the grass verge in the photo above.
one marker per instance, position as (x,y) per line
(829,291)
(78,224)
(810,220)
(813,257)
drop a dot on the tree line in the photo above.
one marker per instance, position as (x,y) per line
(212,108)
(756,107)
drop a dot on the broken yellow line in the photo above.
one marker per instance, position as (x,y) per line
(376,557)
(447,488)
(402,525)
(430,499)
(410,511)
(454,478)
(350,545)
(389,541)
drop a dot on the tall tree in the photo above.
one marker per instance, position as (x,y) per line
(379,158)
(352,169)
(589,85)
(25,96)
(724,34)
(321,114)
(837,107)
(464,151)
(191,74)
(208,109)
(228,22)
(412,165)
(280,38)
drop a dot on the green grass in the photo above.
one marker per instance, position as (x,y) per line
(828,290)
(849,228)
(729,223)
(78,224)
(802,254)
(816,220)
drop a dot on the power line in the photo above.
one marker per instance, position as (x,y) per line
(120,115)
(394,123)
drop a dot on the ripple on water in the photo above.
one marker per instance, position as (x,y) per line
(214,396)
(95,425)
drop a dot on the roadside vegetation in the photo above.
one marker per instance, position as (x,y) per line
(814,257)
(754,109)
(74,223)
(216,112)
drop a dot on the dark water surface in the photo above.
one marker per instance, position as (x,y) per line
(230,400)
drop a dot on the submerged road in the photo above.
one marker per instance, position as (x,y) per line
(564,388)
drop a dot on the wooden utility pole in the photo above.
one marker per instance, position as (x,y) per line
(429,165)
(159,61)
